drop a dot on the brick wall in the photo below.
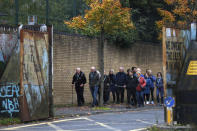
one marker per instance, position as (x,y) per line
(71,52)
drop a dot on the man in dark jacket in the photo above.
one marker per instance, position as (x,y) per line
(79,80)
(112,81)
(106,88)
(94,82)
(132,83)
(121,79)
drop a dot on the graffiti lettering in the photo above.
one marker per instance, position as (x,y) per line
(10,106)
(9,91)
(9,99)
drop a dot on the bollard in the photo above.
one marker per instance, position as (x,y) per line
(169,103)
(169,116)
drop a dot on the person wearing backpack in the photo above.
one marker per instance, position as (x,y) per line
(160,88)
(147,89)
(140,89)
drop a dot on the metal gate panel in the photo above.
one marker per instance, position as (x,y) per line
(175,45)
(34,74)
(9,71)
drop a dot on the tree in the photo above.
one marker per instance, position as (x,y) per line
(179,14)
(144,16)
(103,18)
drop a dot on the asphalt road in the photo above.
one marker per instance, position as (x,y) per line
(119,121)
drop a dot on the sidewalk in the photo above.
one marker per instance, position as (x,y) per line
(87,110)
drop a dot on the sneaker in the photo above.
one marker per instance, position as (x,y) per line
(147,102)
(152,102)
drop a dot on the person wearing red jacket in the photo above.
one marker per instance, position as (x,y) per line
(140,89)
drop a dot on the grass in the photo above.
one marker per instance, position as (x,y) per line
(101,108)
(9,121)
(154,128)
(69,105)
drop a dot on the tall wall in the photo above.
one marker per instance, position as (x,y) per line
(70,52)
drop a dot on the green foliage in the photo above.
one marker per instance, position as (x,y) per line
(123,39)
(9,121)
(144,16)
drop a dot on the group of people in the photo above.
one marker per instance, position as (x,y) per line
(139,87)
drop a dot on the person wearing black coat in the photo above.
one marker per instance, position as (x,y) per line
(121,79)
(131,85)
(106,88)
(79,79)
(112,81)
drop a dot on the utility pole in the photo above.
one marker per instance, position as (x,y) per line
(47,12)
(16,12)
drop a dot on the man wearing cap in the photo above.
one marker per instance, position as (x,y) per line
(79,79)
(94,81)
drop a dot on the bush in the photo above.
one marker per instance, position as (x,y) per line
(9,121)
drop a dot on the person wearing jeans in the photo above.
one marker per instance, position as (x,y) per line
(147,89)
(94,81)
(160,89)
(152,86)
(139,89)
(94,92)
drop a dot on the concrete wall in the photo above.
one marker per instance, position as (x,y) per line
(76,51)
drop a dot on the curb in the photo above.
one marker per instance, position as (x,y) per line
(108,111)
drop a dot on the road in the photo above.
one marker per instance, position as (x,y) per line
(119,121)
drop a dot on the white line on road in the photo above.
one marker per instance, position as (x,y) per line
(145,122)
(103,125)
(56,127)
(140,129)
(38,124)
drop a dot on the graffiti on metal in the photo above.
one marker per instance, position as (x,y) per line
(9,104)
(9,72)
(8,42)
(177,41)
(35,73)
